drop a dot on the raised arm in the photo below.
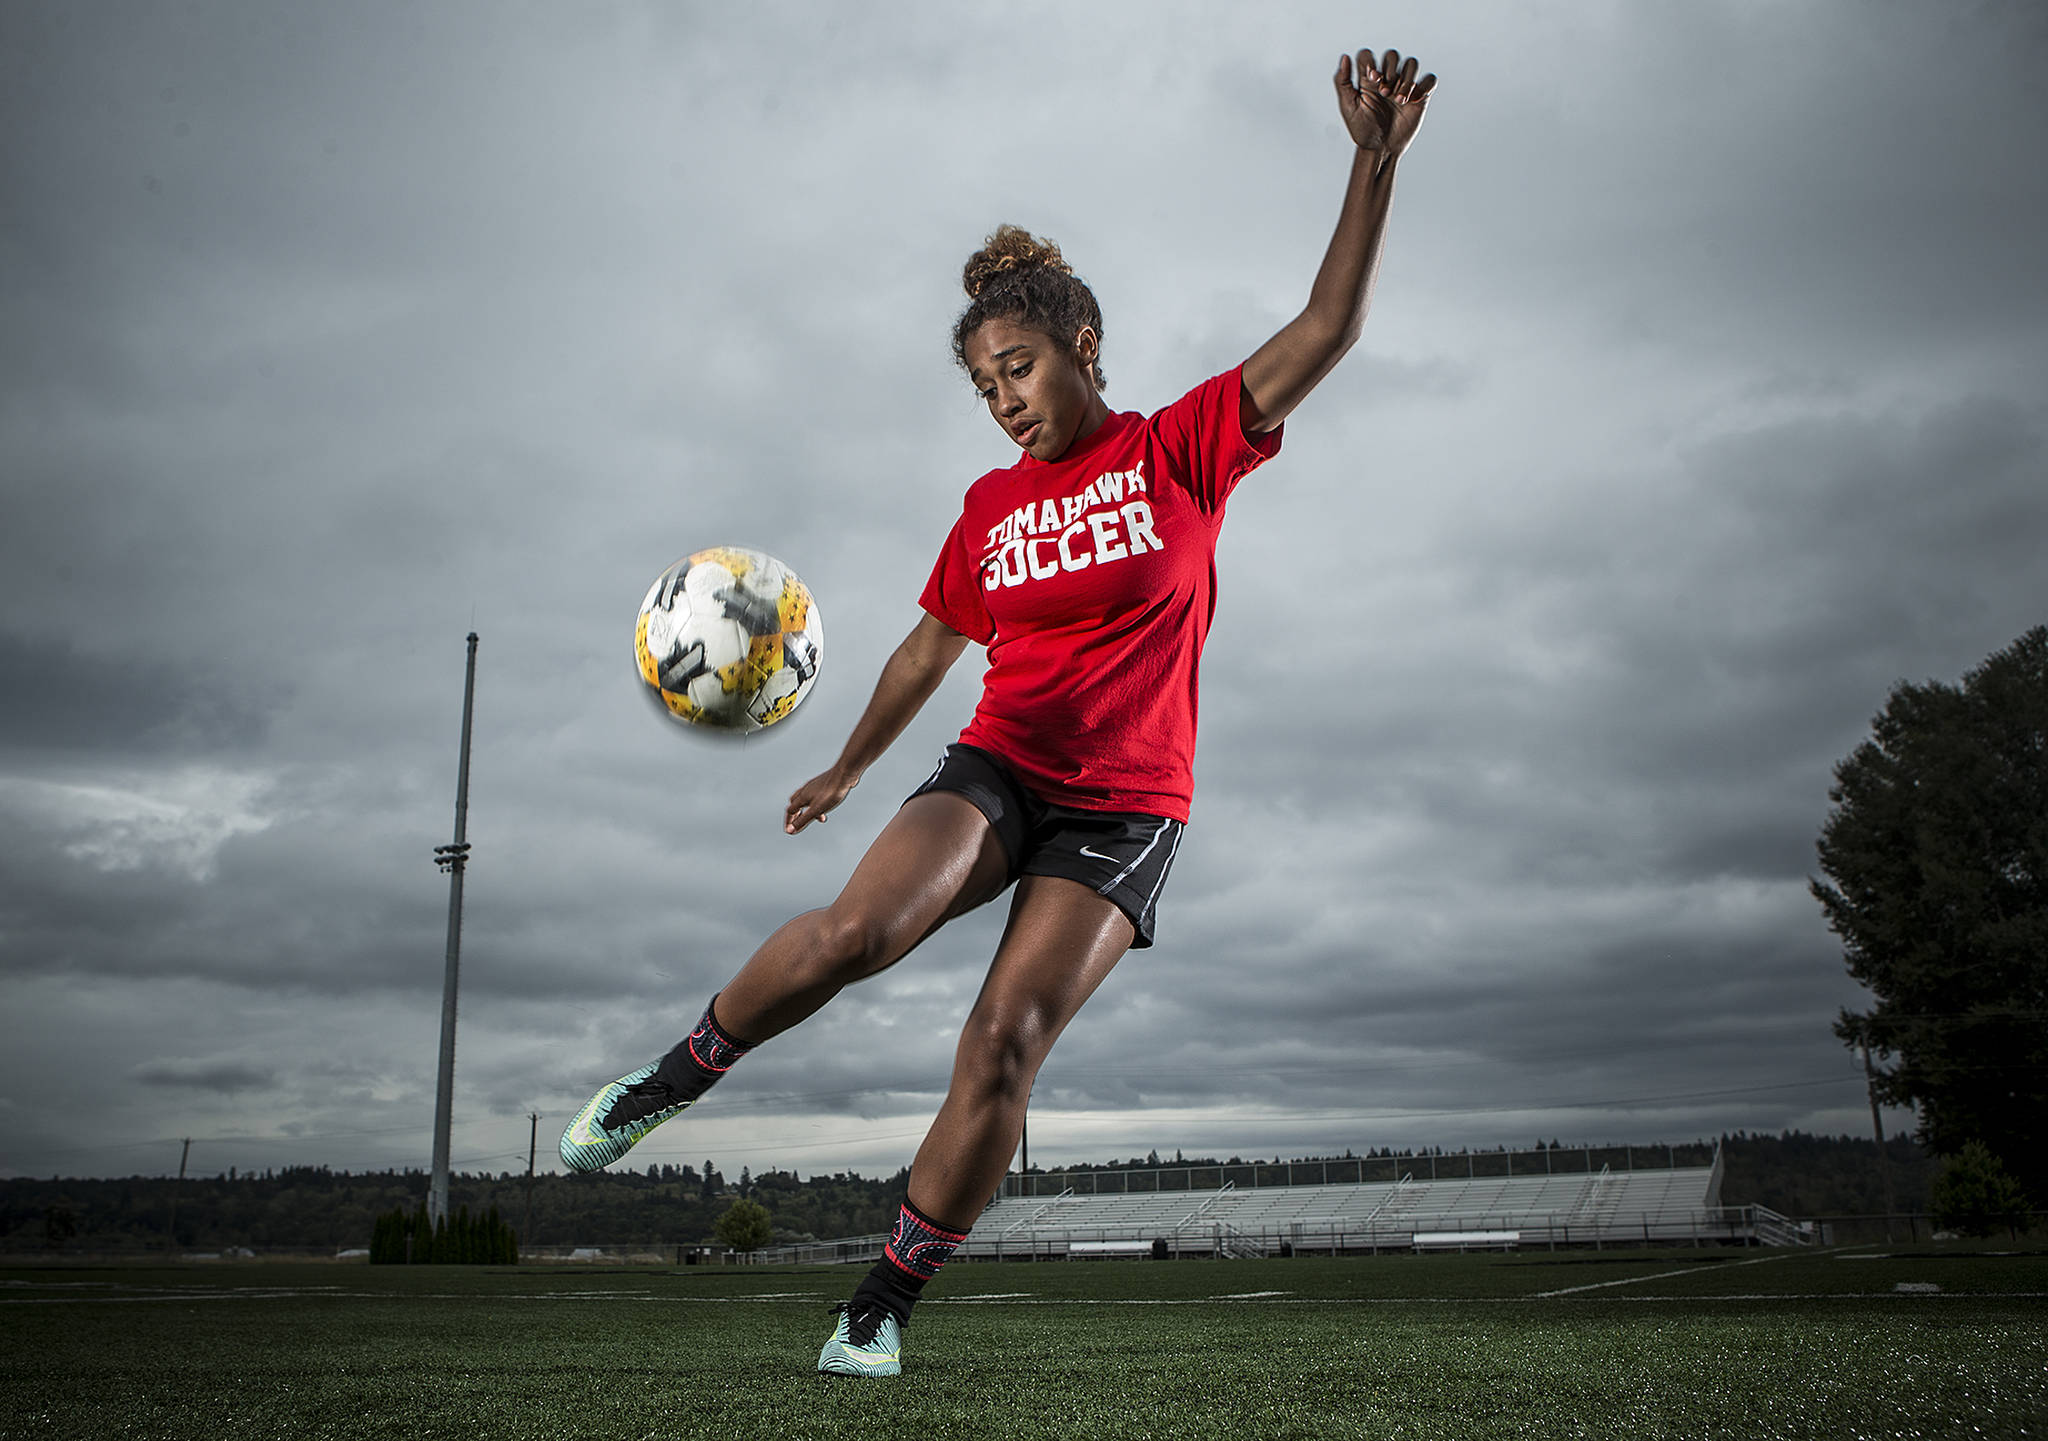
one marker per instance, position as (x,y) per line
(912,673)
(1382,110)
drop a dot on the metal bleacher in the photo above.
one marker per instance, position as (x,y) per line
(1608,1207)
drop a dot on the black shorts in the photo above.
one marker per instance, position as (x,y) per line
(1122,856)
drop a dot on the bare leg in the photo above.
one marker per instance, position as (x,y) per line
(1061,941)
(937,858)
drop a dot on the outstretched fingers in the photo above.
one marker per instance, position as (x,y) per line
(1394,77)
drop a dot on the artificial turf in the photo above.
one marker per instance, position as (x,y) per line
(1568,1344)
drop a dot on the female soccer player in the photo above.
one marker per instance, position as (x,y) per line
(1087,568)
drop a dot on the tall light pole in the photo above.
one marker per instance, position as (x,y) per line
(452,859)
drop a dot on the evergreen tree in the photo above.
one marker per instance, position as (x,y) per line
(1975,1195)
(462,1239)
(1936,857)
(505,1248)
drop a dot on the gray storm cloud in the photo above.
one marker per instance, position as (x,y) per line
(1696,408)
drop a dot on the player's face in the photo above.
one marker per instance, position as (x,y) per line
(1039,391)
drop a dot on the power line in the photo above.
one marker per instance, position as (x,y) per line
(1273,1118)
(1279,1118)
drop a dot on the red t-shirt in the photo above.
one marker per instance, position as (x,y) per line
(1091,580)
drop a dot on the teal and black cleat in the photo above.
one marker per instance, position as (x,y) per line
(616,1118)
(866,1342)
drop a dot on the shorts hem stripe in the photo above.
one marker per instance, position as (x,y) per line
(1140,860)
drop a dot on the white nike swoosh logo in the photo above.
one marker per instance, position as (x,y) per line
(1098,855)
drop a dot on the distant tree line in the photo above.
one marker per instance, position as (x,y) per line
(1391,1164)
(1800,1175)
(312,1208)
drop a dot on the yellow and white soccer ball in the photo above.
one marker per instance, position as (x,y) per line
(728,640)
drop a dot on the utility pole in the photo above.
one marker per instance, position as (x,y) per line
(1884,1165)
(183,1156)
(532,1141)
(452,859)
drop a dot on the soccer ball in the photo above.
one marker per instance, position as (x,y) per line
(728,640)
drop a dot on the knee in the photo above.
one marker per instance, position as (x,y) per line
(1000,1050)
(847,944)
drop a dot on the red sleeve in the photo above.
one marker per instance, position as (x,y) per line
(1203,434)
(953,594)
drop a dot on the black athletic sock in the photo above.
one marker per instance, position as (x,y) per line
(915,1251)
(701,1057)
(891,1288)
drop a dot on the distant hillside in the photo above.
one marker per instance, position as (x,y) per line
(310,1208)
(1796,1174)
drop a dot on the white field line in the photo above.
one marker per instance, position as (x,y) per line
(1654,1276)
(993,1296)
(242,1294)
(326,1293)
(779,1296)
(1503,1300)
(580,1295)
(112,1290)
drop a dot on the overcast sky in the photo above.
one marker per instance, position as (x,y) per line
(1701,402)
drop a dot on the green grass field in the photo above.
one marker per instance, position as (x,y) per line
(1849,1342)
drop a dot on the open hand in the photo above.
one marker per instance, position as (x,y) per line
(816,796)
(1383,109)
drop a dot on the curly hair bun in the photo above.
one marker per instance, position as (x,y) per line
(1012,248)
(1022,279)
